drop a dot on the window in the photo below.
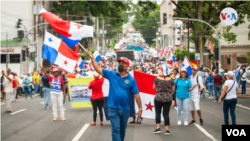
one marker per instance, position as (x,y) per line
(169,3)
(33,56)
(170,42)
(184,27)
(164,18)
(166,41)
(14,58)
(169,15)
(3,58)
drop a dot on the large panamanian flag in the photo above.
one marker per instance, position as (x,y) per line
(186,65)
(70,32)
(147,93)
(57,52)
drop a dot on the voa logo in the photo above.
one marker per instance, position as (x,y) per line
(236,132)
(228,16)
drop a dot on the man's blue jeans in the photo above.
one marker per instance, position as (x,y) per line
(182,102)
(27,91)
(217,89)
(210,89)
(36,88)
(203,92)
(119,120)
(229,104)
(243,87)
(46,93)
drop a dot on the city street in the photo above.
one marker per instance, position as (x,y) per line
(31,121)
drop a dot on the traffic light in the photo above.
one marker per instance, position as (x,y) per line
(19,23)
(211,56)
(27,52)
(216,53)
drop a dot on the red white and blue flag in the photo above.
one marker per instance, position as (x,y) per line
(70,32)
(57,52)
(237,71)
(172,59)
(147,95)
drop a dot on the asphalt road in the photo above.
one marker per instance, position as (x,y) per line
(34,123)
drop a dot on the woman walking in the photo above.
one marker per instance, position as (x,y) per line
(210,85)
(229,93)
(57,90)
(97,97)
(182,88)
(164,85)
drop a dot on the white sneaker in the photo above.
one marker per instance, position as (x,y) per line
(179,122)
(209,97)
(212,97)
(186,123)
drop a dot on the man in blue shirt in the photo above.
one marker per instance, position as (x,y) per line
(121,86)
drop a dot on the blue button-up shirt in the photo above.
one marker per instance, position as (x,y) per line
(120,89)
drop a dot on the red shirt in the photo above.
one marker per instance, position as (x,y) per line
(217,80)
(96,86)
(61,79)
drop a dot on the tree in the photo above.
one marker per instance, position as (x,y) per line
(181,56)
(145,21)
(208,11)
(248,57)
(112,12)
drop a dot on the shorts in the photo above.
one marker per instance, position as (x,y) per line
(194,104)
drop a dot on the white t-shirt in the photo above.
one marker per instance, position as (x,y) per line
(195,92)
(8,84)
(177,76)
(78,75)
(232,93)
(245,76)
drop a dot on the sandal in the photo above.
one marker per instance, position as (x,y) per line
(132,122)
(55,118)
(63,119)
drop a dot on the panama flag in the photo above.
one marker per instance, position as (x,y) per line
(97,56)
(159,52)
(163,52)
(237,71)
(187,66)
(147,95)
(57,52)
(70,32)
(79,64)
(172,59)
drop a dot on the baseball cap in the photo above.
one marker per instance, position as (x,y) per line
(126,60)
(55,69)
(183,70)
(195,67)
(230,73)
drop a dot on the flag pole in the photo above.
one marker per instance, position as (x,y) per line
(83,48)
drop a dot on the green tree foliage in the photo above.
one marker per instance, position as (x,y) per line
(181,55)
(146,21)
(112,12)
(248,57)
(84,55)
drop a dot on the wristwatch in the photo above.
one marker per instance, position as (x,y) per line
(140,109)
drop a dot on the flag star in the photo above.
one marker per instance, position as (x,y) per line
(149,106)
(50,40)
(183,65)
(78,26)
(65,62)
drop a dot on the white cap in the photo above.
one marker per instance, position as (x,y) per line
(230,73)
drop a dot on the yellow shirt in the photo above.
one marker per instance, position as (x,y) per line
(17,83)
(35,77)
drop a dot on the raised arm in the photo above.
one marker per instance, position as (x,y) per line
(45,72)
(94,63)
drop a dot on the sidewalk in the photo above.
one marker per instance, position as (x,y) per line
(239,95)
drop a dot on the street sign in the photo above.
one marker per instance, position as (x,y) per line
(197,56)
(205,53)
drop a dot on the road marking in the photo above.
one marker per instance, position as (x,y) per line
(97,112)
(177,109)
(79,134)
(205,132)
(243,106)
(42,103)
(18,111)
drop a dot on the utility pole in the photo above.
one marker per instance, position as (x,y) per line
(7,54)
(188,42)
(103,42)
(180,40)
(174,36)
(37,42)
(97,31)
